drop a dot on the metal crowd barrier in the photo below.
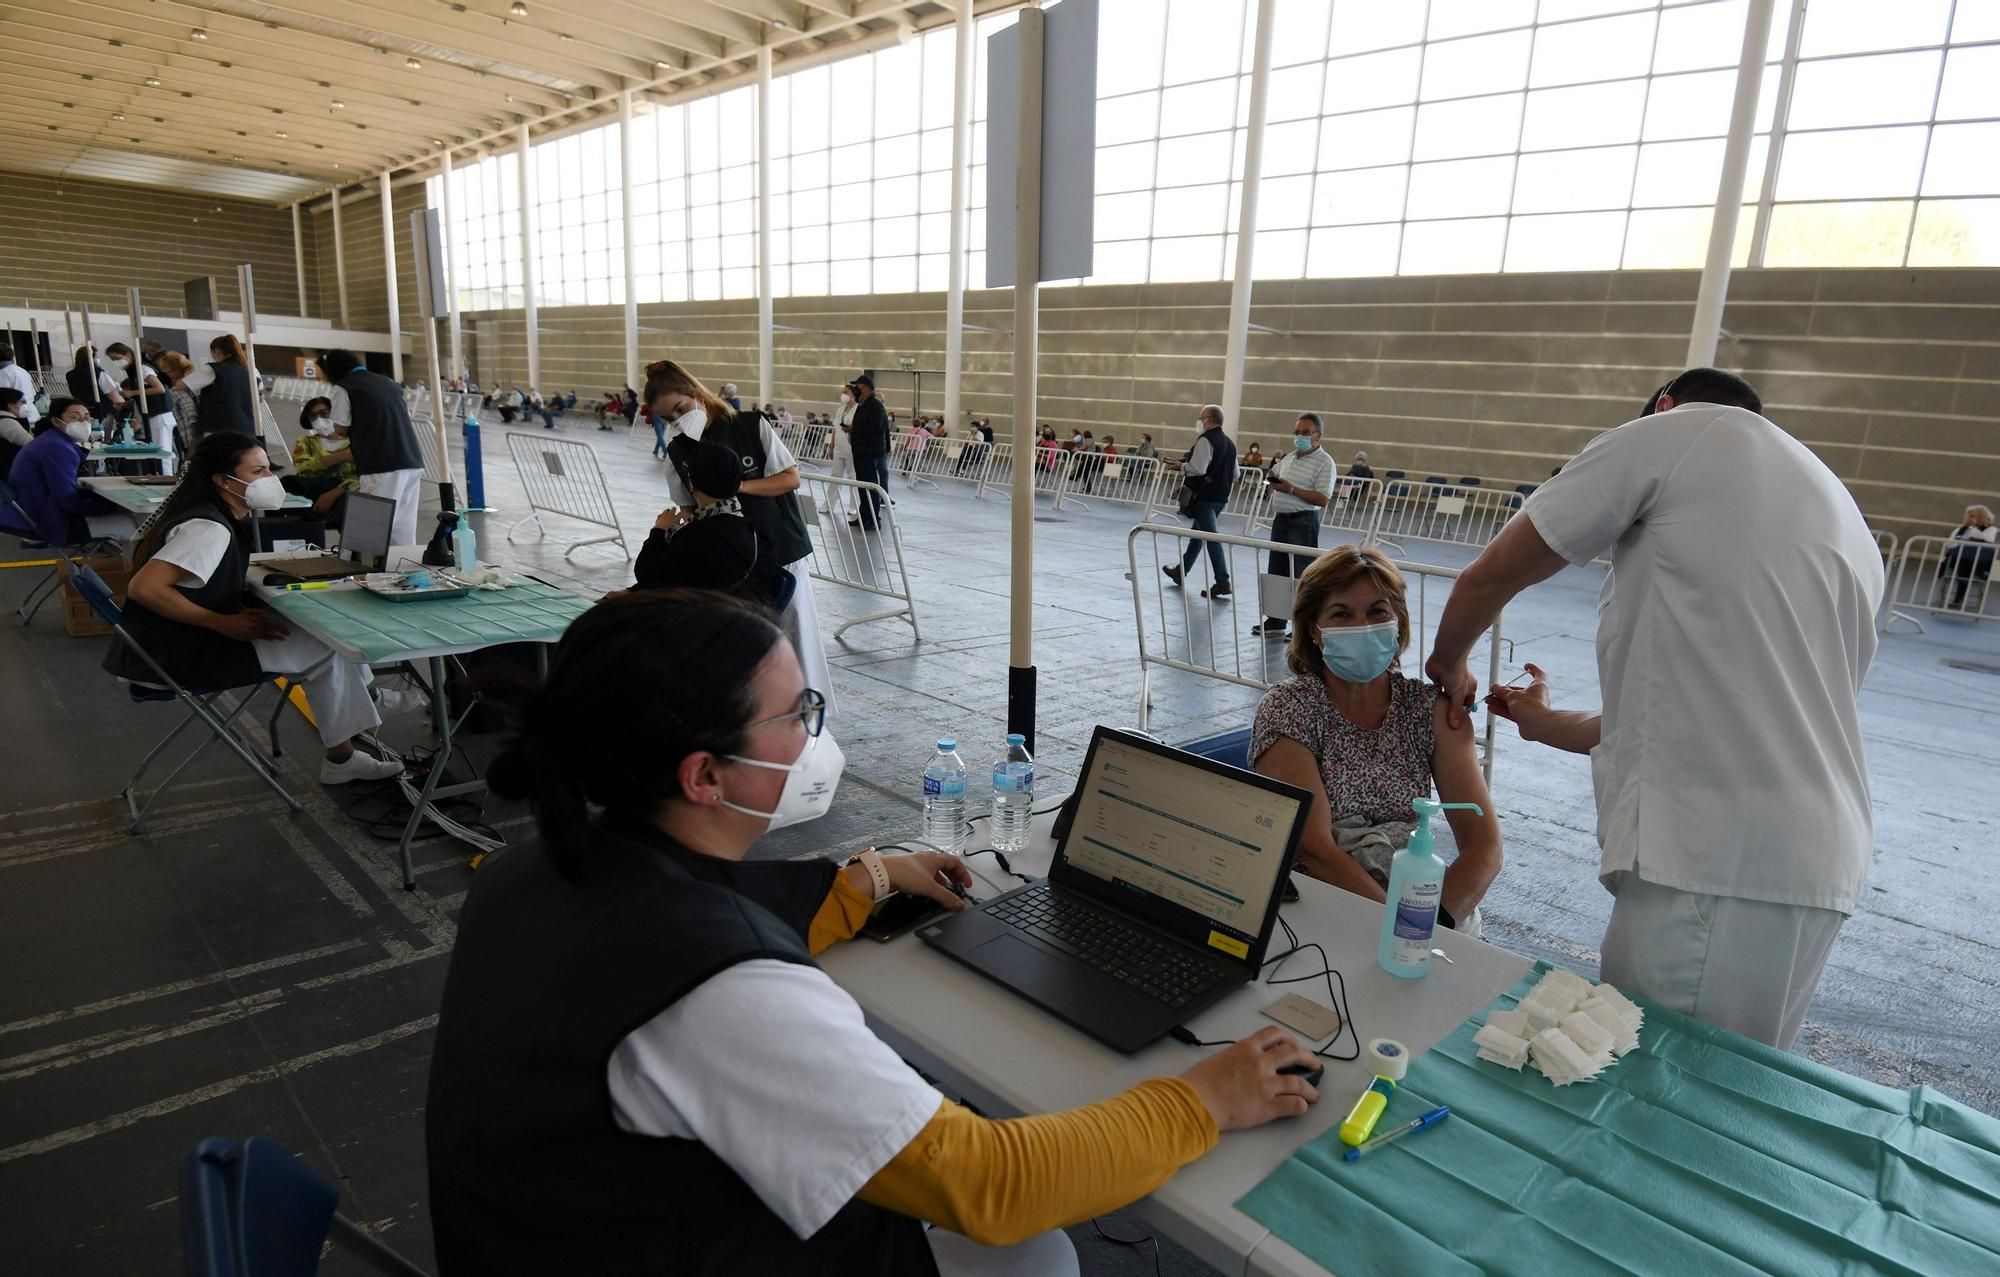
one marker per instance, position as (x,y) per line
(1419,511)
(869,560)
(1185,634)
(561,476)
(1943,576)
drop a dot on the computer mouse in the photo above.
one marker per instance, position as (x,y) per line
(1310,1072)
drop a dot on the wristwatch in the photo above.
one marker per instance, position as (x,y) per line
(878,874)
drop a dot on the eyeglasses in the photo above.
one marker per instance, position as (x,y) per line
(811,713)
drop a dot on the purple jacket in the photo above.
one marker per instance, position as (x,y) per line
(44,481)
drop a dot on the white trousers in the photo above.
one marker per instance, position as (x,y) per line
(336,688)
(801,625)
(404,488)
(843,468)
(160,428)
(1749,966)
(1049,1254)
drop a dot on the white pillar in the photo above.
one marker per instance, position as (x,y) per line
(1027,282)
(389,268)
(1774,151)
(457,366)
(767,393)
(299,258)
(1246,226)
(961,177)
(339,261)
(531,327)
(1729,188)
(625,218)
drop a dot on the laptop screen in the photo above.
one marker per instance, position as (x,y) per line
(1192,845)
(365,529)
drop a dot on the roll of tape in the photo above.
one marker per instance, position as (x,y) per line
(1388,1058)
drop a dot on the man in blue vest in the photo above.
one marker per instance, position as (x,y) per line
(1209,473)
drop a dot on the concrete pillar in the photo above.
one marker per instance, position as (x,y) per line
(961,178)
(1729,189)
(531,325)
(299,258)
(1246,226)
(457,367)
(625,220)
(389,268)
(767,393)
(340,261)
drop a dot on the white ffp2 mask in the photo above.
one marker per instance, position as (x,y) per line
(263,494)
(810,781)
(692,422)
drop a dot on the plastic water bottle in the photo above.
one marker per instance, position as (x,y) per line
(465,546)
(1013,795)
(944,799)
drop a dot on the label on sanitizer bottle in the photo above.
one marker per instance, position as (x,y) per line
(1416,921)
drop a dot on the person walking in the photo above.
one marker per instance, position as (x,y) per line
(869,438)
(387,462)
(1206,479)
(1734,632)
(843,454)
(1301,485)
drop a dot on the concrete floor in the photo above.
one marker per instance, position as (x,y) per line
(239,971)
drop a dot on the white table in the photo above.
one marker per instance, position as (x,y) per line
(1008,1057)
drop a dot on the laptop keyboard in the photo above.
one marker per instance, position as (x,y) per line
(1107,942)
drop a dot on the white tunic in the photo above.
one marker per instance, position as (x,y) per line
(1733,635)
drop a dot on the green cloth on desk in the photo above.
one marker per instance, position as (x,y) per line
(1701,1152)
(380,630)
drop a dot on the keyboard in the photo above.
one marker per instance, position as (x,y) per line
(1103,940)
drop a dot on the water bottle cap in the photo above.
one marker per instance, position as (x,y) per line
(946,744)
(1016,738)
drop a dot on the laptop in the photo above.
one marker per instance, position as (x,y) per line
(1159,902)
(364,544)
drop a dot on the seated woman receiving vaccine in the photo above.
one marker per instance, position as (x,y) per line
(640,1068)
(1365,740)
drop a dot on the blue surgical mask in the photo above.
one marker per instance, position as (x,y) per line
(1359,653)
(1302,443)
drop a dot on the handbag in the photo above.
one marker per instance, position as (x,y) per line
(1184,501)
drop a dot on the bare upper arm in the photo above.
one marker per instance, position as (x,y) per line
(1455,770)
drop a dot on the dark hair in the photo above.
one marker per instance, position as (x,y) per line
(57,407)
(1314,418)
(217,452)
(306,413)
(226,347)
(118,348)
(618,712)
(85,359)
(716,470)
(338,363)
(10,396)
(1712,385)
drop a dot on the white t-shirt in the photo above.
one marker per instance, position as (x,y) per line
(16,376)
(1733,634)
(160,407)
(770,1065)
(843,442)
(196,548)
(202,376)
(777,459)
(340,408)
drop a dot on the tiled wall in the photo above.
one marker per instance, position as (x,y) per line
(65,241)
(1893,377)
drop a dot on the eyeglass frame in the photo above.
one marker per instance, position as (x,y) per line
(811,713)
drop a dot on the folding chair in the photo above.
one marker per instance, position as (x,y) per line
(201,705)
(251,1209)
(44,589)
(1232,747)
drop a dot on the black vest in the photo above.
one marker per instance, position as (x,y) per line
(192,656)
(778,520)
(228,403)
(381,436)
(83,388)
(530,1173)
(1220,479)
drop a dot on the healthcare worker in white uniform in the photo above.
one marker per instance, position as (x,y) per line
(1734,630)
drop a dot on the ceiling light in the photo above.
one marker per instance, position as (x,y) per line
(339,105)
(518,9)
(197,34)
(282,133)
(152,83)
(413,64)
(235,159)
(117,115)
(437,141)
(564,36)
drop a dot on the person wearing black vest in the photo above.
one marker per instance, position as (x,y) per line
(225,391)
(868,436)
(93,387)
(767,492)
(387,462)
(711,547)
(1209,473)
(186,607)
(631,1069)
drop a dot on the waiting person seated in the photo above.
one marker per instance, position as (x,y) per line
(186,606)
(1360,469)
(322,464)
(631,1068)
(1366,741)
(61,511)
(1970,557)
(1253,459)
(712,547)
(16,418)
(509,404)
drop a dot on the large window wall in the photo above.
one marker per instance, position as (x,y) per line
(1402,137)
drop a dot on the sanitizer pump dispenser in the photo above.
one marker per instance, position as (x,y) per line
(1416,881)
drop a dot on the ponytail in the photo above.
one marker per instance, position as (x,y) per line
(227,349)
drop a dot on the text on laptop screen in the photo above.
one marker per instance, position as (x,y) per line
(1204,841)
(367,526)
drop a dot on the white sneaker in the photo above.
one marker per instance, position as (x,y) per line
(359,766)
(391,701)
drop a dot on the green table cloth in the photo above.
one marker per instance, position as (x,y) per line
(379,630)
(1701,1153)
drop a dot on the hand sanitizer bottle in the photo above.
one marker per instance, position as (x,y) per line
(1416,880)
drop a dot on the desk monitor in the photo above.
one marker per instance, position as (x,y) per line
(365,529)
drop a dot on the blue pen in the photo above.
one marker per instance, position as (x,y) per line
(1429,1119)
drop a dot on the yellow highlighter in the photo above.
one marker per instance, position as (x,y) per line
(1387,1059)
(310,585)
